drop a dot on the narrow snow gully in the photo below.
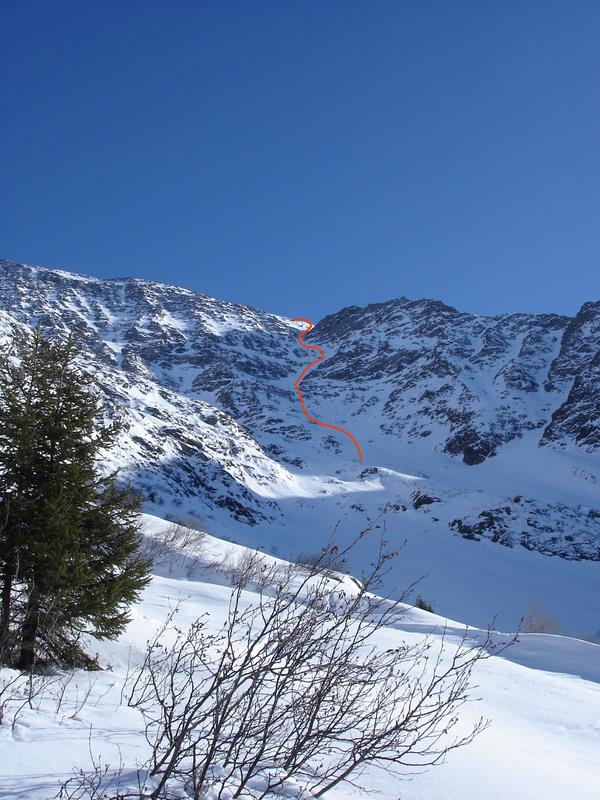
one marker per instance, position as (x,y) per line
(304,372)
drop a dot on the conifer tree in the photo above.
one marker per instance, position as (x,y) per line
(69,540)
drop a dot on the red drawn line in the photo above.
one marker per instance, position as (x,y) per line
(303,373)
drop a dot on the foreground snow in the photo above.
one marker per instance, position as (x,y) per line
(542,696)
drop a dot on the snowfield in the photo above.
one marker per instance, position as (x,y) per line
(542,696)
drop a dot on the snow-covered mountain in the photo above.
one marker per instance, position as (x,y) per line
(481,435)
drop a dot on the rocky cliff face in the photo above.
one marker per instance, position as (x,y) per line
(470,384)
(498,418)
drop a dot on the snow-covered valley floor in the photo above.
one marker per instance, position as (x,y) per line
(542,696)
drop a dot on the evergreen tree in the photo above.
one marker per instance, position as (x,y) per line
(69,540)
(18,398)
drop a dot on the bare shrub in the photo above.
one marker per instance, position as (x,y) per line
(99,783)
(251,570)
(192,521)
(320,562)
(176,547)
(292,691)
(102,782)
(58,689)
(327,561)
(10,689)
(22,690)
(19,691)
(536,620)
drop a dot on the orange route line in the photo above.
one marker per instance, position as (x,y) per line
(303,373)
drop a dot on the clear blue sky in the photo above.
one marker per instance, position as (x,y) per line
(303,156)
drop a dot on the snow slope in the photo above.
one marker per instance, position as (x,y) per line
(542,696)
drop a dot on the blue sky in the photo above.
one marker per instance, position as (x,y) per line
(304,156)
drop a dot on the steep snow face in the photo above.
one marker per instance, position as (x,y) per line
(477,432)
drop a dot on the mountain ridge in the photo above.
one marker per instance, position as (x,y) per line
(471,411)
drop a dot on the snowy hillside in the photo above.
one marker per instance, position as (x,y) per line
(481,435)
(542,697)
